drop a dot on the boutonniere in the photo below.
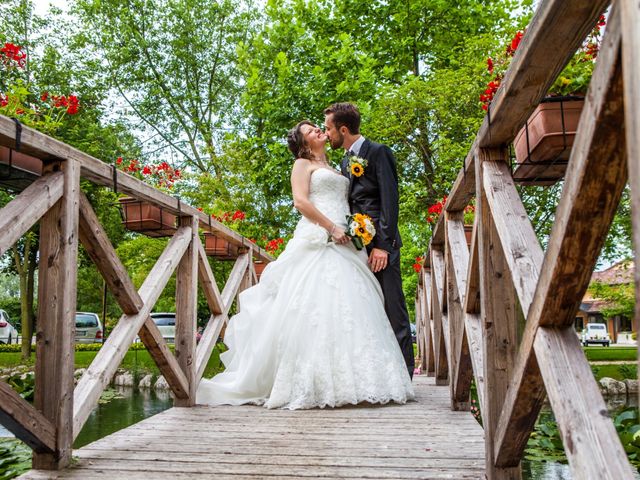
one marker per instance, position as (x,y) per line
(356,165)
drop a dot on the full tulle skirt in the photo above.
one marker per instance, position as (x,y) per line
(312,333)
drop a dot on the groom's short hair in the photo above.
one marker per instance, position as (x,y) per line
(346,114)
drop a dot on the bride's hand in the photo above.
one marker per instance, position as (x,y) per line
(339,236)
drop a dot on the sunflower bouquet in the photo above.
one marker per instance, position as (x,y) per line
(360,229)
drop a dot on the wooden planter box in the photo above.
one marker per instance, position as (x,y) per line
(259,267)
(219,248)
(18,170)
(543,146)
(146,218)
(468,231)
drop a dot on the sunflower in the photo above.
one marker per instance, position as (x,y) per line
(366,238)
(361,231)
(356,169)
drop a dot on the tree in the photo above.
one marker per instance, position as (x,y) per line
(173,63)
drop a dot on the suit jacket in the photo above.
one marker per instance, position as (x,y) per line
(375,193)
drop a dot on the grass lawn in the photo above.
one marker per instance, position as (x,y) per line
(610,353)
(618,372)
(135,361)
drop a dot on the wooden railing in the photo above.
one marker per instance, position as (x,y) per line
(66,218)
(470,299)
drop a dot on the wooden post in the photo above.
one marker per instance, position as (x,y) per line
(186,312)
(630,18)
(498,317)
(440,332)
(429,364)
(55,337)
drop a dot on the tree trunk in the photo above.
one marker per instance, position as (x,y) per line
(31,314)
(24,268)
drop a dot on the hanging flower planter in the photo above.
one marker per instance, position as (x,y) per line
(259,267)
(543,145)
(18,170)
(143,217)
(468,232)
(219,248)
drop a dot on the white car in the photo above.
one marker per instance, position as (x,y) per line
(595,333)
(166,322)
(8,333)
(88,328)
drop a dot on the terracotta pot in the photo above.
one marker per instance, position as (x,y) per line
(259,267)
(468,231)
(542,158)
(146,218)
(219,247)
(18,170)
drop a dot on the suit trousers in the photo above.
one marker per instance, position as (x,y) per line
(390,280)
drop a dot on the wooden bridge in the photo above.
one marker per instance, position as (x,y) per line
(468,306)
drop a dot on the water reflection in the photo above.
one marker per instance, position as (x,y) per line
(131,407)
(532,470)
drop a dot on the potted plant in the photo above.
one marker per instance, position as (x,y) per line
(543,145)
(144,217)
(219,247)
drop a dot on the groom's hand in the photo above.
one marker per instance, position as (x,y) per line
(378,259)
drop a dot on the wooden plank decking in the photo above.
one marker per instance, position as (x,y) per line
(423,439)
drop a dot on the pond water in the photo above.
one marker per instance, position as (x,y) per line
(126,406)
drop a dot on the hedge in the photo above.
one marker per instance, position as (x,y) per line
(80,347)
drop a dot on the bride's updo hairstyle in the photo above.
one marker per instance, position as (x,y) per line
(297,143)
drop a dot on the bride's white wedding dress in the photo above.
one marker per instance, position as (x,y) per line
(313,332)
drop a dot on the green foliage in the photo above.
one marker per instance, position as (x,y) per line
(24,384)
(545,444)
(621,298)
(628,371)
(628,427)
(15,458)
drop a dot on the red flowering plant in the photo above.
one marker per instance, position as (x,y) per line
(573,80)
(162,176)
(43,111)
(435,210)
(417,266)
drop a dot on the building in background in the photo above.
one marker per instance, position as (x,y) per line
(621,328)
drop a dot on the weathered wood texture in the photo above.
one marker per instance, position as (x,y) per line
(187,312)
(19,215)
(25,422)
(44,147)
(575,241)
(498,316)
(413,441)
(457,260)
(630,19)
(104,365)
(96,243)
(440,330)
(56,317)
(217,321)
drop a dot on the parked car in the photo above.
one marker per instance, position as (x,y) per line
(166,322)
(88,328)
(413,332)
(8,332)
(595,333)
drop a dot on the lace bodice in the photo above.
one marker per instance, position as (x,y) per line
(328,191)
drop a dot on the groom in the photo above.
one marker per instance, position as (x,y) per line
(375,193)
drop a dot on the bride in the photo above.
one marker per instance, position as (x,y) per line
(313,332)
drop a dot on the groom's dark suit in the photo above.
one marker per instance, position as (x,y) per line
(376,194)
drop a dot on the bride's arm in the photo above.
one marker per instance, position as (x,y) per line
(300,180)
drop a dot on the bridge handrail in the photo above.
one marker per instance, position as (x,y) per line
(470,299)
(66,219)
